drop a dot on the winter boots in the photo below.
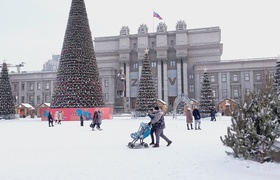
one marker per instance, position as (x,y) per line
(188,127)
(156,146)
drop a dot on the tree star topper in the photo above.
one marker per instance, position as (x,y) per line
(205,69)
(146,51)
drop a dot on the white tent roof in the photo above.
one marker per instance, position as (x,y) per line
(26,105)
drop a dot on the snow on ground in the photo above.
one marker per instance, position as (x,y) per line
(30,150)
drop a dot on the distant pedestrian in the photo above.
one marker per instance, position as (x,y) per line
(189,118)
(56,117)
(96,120)
(196,115)
(213,114)
(159,123)
(50,119)
(60,117)
(82,120)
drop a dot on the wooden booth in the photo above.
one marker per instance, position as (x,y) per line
(226,106)
(24,110)
(43,108)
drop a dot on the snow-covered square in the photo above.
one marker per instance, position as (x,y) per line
(30,150)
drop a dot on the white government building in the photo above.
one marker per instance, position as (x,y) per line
(178,59)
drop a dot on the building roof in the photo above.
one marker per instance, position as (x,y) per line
(26,105)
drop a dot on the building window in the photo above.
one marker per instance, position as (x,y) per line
(191,76)
(224,93)
(47,85)
(214,93)
(201,78)
(31,86)
(47,97)
(15,87)
(106,83)
(153,44)
(39,86)
(247,91)
(191,88)
(38,99)
(258,77)
(172,43)
(213,79)
(247,77)
(16,99)
(22,99)
(153,64)
(134,45)
(235,78)
(31,99)
(224,78)
(106,97)
(172,63)
(22,87)
(235,93)
(135,65)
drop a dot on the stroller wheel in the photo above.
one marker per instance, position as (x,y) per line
(146,145)
(131,145)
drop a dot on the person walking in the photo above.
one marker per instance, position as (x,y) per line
(59,117)
(153,129)
(196,115)
(159,124)
(56,117)
(50,119)
(96,120)
(189,118)
(213,114)
(82,120)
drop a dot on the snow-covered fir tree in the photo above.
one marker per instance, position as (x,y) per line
(254,125)
(146,97)
(77,82)
(207,100)
(7,105)
(276,83)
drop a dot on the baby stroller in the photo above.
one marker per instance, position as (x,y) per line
(141,134)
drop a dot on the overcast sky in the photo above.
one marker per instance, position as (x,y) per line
(32,30)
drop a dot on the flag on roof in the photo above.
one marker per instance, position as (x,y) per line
(157,15)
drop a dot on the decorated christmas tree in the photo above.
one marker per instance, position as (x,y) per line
(7,106)
(254,125)
(207,101)
(276,83)
(77,82)
(146,97)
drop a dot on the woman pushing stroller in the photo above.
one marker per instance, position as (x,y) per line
(157,120)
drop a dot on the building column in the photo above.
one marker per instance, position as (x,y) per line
(159,76)
(185,76)
(165,81)
(179,76)
(127,79)
(139,69)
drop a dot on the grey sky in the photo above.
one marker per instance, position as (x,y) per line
(33,30)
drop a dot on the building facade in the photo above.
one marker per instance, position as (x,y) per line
(178,59)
